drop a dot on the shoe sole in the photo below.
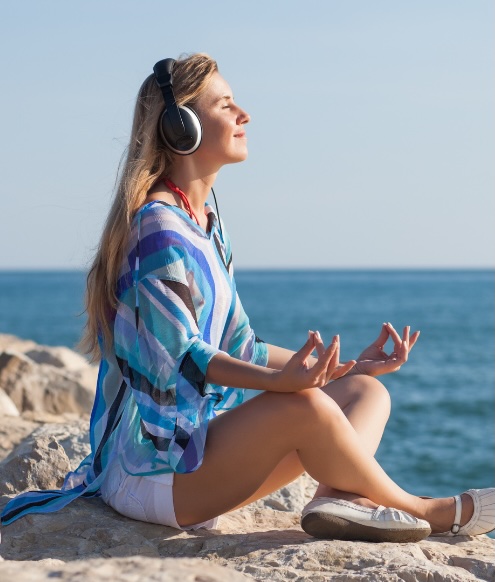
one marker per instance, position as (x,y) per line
(324,526)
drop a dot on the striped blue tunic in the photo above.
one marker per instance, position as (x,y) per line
(177,307)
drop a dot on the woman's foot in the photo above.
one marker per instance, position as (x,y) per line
(474,514)
(335,514)
(324,491)
(440,513)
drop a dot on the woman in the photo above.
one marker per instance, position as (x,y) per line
(165,318)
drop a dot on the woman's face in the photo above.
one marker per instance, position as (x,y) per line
(224,139)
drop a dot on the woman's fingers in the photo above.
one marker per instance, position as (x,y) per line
(394,335)
(381,340)
(398,341)
(341,370)
(329,353)
(413,340)
(402,352)
(307,348)
(328,366)
(391,365)
(334,360)
(325,360)
(405,339)
(320,347)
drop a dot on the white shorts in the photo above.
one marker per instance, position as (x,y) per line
(146,498)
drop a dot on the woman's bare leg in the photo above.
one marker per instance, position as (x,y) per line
(245,445)
(366,404)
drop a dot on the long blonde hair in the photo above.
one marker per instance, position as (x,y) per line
(146,160)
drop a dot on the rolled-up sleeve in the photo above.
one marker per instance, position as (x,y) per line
(242,342)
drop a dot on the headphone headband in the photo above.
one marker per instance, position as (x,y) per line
(163,72)
(163,76)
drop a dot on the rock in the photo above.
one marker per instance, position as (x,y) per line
(7,407)
(263,544)
(12,342)
(59,356)
(292,497)
(13,429)
(39,462)
(73,437)
(135,569)
(17,378)
(42,387)
(42,460)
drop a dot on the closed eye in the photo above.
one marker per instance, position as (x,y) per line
(227,100)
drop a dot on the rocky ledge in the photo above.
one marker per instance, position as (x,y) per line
(45,398)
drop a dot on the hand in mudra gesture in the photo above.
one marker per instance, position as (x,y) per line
(374,361)
(304,371)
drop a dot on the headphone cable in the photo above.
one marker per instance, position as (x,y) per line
(218,213)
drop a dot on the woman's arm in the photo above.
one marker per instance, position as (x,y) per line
(228,371)
(278,358)
(297,370)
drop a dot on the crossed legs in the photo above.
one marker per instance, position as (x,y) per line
(366,404)
(268,441)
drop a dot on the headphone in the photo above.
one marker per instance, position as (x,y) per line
(179,126)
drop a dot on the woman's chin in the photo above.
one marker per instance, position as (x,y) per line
(235,159)
(241,156)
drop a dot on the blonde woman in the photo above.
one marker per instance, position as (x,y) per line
(176,348)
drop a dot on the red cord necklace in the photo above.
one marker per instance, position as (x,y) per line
(168,182)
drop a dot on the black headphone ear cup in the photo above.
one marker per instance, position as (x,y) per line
(191,140)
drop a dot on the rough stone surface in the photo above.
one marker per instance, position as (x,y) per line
(59,356)
(39,462)
(43,387)
(7,407)
(133,569)
(264,544)
(292,497)
(12,431)
(42,460)
(88,540)
(73,437)
(12,342)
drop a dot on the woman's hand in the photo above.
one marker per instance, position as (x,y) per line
(374,361)
(303,371)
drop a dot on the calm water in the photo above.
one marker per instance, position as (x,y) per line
(440,438)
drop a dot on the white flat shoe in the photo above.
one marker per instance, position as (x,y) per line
(338,519)
(483,518)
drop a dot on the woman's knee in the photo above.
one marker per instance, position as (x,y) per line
(311,405)
(369,387)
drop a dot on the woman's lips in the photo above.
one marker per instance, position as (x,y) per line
(242,134)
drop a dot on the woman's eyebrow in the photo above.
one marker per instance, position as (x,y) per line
(227,97)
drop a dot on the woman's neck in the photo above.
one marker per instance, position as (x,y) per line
(195,187)
(196,192)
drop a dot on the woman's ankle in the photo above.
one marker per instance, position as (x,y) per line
(325,491)
(440,513)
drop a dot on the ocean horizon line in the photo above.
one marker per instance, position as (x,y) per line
(271,269)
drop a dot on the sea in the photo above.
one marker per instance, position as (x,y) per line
(440,439)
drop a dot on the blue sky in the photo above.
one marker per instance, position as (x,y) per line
(371,141)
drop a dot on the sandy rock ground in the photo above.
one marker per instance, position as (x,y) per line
(89,541)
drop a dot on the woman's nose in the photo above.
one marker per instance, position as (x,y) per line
(243,117)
